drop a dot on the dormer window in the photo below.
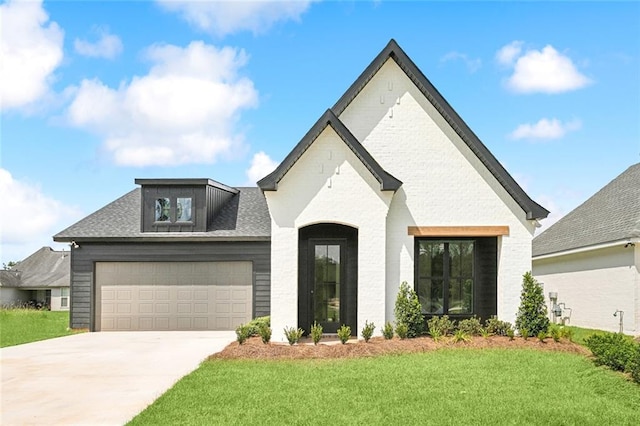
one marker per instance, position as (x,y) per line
(163,209)
(181,205)
(183,210)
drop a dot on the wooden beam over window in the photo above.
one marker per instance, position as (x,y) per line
(458,231)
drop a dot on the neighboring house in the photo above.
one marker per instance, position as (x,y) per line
(41,279)
(389,185)
(591,258)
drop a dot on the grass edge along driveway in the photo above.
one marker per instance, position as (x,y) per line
(448,386)
(18,326)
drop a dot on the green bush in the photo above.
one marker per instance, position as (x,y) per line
(555,332)
(265,333)
(634,364)
(387,331)
(541,336)
(614,350)
(316,332)
(494,326)
(367,331)
(408,310)
(524,333)
(402,330)
(471,326)
(256,324)
(511,333)
(532,313)
(566,333)
(293,335)
(242,333)
(344,333)
(440,326)
(461,336)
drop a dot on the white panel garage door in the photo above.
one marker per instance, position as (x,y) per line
(173,295)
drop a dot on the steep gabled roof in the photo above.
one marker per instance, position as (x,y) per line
(393,51)
(243,217)
(612,214)
(387,181)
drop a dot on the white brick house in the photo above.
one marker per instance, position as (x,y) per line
(391,185)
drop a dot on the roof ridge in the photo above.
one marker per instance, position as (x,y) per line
(393,51)
(387,181)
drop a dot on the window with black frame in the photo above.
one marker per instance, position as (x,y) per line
(445,276)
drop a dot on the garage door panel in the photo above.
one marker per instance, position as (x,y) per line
(175,296)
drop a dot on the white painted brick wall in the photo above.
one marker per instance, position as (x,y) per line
(328,184)
(444,184)
(594,285)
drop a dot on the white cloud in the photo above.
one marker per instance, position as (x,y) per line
(473,65)
(507,54)
(545,71)
(261,165)
(28,217)
(183,111)
(545,129)
(227,17)
(107,46)
(30,51)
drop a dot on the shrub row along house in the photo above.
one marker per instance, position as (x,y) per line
(590,259)
(389,185)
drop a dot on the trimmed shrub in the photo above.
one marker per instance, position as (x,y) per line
(470,326)
(367,331)
(524,333)
(511,333)
(408,310)
(614,350)
(242,333)
(316,332)
(532,313)
(344,333)
(497,327)
(402,330)
(293,335)
(265,333)
(634,364)
(256,324)
(387,331)
(440,326)
(555,332)
(541,336)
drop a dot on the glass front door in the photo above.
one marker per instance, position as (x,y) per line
(327,284)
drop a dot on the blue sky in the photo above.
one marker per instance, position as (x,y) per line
(95,94)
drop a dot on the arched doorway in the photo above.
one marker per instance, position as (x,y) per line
(328,277)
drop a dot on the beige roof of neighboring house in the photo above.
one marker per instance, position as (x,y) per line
(44,268)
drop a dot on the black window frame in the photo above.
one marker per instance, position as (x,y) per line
(173,211)
(446,277)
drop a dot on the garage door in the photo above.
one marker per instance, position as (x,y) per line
(173,295)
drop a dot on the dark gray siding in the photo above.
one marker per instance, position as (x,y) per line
(216,199)
(83,263)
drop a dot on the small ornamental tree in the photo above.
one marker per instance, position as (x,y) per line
(408,310)
(532,314)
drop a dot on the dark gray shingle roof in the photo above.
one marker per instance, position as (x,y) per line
(393,51)
(387,181)
(244,217)
(612,214)
(44,268)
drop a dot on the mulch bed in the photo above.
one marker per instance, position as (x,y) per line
(253,348)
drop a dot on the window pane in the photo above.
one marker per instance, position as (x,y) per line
(327,283)
(163,209)
(431,259)
(63,302)
(460,296)
(183,210)
(431,296)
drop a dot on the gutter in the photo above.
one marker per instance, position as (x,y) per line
(618,243)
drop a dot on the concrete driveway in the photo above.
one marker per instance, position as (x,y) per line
(98,378)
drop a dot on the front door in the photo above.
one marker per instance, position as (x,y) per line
(328,277)
(327,272)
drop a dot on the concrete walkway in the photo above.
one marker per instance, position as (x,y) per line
(97,378)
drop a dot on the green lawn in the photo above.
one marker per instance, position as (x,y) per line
(449,386)
(19,326)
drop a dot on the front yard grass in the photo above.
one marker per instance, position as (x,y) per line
(18,326)
(447,386)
